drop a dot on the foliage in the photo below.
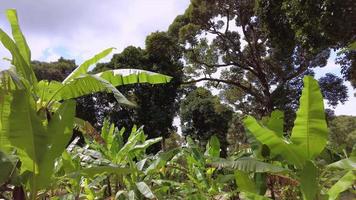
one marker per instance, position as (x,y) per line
(56,71)
(342,133)
(37,118)
(274,160)
(202,116)
(307,141)
(250,51)
(316,25)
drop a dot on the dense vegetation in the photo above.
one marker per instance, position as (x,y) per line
(69,133)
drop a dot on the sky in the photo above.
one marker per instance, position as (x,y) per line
(81,28)
(78,29)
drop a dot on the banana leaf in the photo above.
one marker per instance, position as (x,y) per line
(341,185)
(248,165)
(310,132)
(83,68)
(277,145)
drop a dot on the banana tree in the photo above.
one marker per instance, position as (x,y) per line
(37,118)
(112,151)
(308,139)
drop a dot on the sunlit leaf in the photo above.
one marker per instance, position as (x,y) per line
(310,131)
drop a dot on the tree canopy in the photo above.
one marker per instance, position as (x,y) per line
(202,116)
(343,133)
(233,45)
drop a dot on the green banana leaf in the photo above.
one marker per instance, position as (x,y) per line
(347,163)
(59,132)
(146,144)
(7,167)
(248,165)
(83,68)
(129,146)
(119,77)
(18,36)
(341,185)
(247,187)
(244,182)
(213,147)
(106,81)
(37,141)
(17,60)
(22,129)
(275,122)
(308,181)
(19,49)
(108,133)
(277,145)
(83,85)
(310,132)
(162,160)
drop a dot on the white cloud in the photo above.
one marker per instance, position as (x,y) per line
(83,28)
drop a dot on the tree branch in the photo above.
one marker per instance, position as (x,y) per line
(227,20)
(246,89)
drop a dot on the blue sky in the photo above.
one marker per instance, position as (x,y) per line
(77,29)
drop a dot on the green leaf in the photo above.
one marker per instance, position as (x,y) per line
(248,165)
(147,144)
(162,159)
(145,190)
(244,182)
(88,84)
(105,81)
(308,181)
(60,129)
(129,146)
(310,132)
(23,129)
(277,145)
(17,60)
(347,163)
(18,36)
(131,76)
(83,68)
(107,133)
(341,185)
(213,147)
(275,122)
(7,168)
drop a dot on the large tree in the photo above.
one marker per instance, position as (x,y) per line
(316,25)
(227,43)
(203,115)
